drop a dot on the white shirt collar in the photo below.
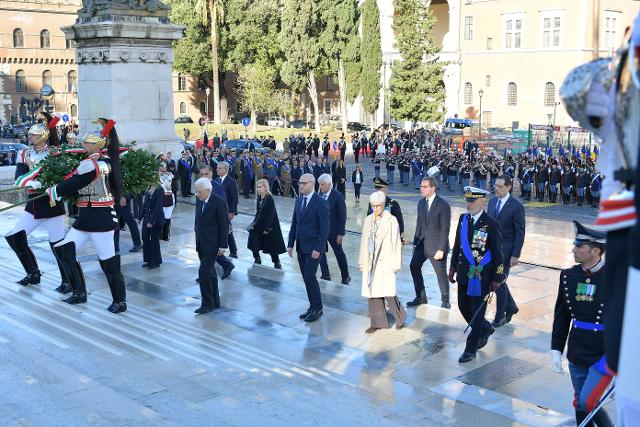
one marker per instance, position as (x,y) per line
(326,195)
(503,200)
(476,216)
(206,201)
(430,199)
(222,178)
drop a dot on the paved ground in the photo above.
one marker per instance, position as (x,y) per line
(254,362)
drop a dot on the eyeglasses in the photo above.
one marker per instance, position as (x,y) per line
(377,206)
(305,182)
(425,186)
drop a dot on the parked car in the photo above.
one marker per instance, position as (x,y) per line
(331,120)
(20,131)
(9,149)
(243,144)
(275,122)
(298,124)
(356,127)
(183,119)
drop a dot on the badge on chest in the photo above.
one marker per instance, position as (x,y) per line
(479,240)
(585,292)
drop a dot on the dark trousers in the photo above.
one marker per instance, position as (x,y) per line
(224,262)
(127,216)
(136,202)
(439,266)
(356,188)
(356,155)
(505,305)
(309,268)
(208,281)
(378,313)
(185,185)
(340,257)
(468,306)
(233,249)
(151,244)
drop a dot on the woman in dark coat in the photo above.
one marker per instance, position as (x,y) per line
(264,232)
(357,178)
(340,178)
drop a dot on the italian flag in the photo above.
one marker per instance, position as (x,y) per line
(24,180)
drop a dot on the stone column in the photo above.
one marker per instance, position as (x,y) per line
(125,62)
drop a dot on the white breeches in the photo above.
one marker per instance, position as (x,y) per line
(102,241)
(55,225)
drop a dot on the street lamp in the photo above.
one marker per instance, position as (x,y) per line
(480,93)
(550,118)
(207,91)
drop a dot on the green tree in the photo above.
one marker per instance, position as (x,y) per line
(371,57)
(301,26)
(417,89)
(256,90)
(192,53)
(337,39)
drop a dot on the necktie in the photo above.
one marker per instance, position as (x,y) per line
(304,203)
(498,206)
(325,196)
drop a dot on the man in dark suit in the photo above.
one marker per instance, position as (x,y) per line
(431,242)
(231,191)
(184,171)
(309,231)
(211,241)
(337,223)
(218,190)
(477,264)
(509,213)
(152,217)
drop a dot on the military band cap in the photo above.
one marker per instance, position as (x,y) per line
(586,235)
(379,183)
(474,193)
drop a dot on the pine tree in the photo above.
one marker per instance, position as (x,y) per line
(370,57)
(416,85)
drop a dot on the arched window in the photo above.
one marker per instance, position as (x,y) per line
(45,39)
(21,81)
(512,94)
(183,108)
(71,44)
(182,82)
(74,110)
(46,78)
(72,81)
(468,93)
(18,38)
(549,94)
(203,107)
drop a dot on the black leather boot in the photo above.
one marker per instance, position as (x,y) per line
(602,419)
(67,255)
(65,286)
(18,242)
(166,230)
(111,268)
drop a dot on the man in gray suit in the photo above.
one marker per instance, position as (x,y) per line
(509,213)
(431,242)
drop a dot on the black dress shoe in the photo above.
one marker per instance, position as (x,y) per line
(305,314)
(371,330)
(446,305)
(234,255)
(203,310)
(64,288)
(466,357)
(416,302)
(30,279)
(510,315)
(135,249)
(227,272)
(485,338)
(499,322)
(145,265)
(117,307)
(76,298)
(313,316)
(346,280)
(277,266)
(153,266)
(328,278)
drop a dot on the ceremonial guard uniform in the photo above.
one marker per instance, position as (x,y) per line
(168,203)
(37,212)
(477,262)
(578,322)
(97,182)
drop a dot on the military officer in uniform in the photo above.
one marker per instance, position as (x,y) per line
(37,212)
(577,322)
(478,265)
(98,184)
(390,205)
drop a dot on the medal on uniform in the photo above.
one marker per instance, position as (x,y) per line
(585,292)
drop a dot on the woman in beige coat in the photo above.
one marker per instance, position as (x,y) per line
(380,260)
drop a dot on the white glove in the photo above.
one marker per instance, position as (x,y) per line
(556,361)
(35,184)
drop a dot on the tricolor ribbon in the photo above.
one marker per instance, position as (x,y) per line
(474,288)
(24,180)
